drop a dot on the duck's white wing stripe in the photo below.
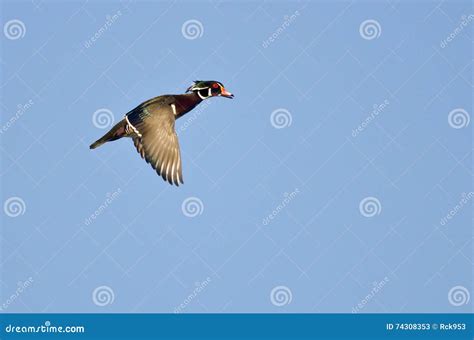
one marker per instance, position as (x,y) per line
(133,127)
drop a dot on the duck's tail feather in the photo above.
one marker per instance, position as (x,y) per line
(118,131)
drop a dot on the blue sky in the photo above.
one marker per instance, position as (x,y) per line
(341,170)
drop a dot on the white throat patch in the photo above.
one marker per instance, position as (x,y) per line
(200,96)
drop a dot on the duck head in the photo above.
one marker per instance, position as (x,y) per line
(209,88)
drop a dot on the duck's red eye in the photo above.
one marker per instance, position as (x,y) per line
(215,85)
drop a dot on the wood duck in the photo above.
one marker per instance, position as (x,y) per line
(151,127)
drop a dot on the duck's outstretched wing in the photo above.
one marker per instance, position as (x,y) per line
(155,138)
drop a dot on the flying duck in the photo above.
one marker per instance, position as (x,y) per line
(151,127)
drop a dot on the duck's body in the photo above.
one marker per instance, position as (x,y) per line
(151,126)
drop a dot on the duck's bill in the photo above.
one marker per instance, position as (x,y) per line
(227,94)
